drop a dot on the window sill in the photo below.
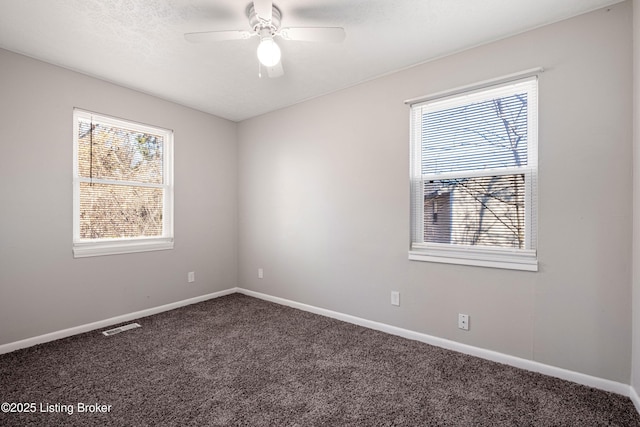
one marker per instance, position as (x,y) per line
(525,260)
(114,247)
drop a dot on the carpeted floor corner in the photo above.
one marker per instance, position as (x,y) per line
(238,360)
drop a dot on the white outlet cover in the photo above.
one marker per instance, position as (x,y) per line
(463,321)
(395,298)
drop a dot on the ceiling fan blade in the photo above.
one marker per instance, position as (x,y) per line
(263,9)
(276,70)
(314,34)
(217,36)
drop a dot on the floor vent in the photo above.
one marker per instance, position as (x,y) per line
(120,329)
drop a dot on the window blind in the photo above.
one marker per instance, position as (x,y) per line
(122,183)
(120,171)
(474,169)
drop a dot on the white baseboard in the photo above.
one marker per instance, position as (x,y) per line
(29,342)
(530,365)
(635,398)
(588,380)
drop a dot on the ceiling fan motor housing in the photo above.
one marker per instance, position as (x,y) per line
(259,25)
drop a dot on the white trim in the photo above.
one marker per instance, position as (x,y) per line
(89,248)
(521,259)
(530,365)
(40,339)
(122,183)
(476,86)
(415,173)
(95,117)
(633,395)
(479,173)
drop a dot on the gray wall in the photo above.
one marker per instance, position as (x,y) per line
(324,203)
(635,366)
(42,287)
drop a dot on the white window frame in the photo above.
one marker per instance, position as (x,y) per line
(113,246)
(484,256)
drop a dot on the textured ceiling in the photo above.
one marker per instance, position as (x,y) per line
(139,43)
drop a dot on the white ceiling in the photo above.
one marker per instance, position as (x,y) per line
(139,43)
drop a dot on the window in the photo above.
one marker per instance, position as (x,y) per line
(473,177)
(122,186)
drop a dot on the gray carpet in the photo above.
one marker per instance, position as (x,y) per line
(238,360)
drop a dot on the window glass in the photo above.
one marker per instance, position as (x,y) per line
(123,189)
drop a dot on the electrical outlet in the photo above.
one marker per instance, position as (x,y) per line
(463,321)
(395,298)
(260,273)
(191,277)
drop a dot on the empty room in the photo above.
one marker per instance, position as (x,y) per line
(364,212)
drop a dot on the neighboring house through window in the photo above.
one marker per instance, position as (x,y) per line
(122,186)
(474,176)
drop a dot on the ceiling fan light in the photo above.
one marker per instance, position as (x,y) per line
(268,52)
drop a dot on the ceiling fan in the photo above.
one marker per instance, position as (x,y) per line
(264,21)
